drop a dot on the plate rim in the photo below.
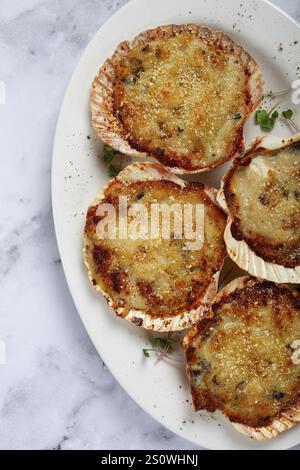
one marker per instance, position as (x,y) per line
(58,236)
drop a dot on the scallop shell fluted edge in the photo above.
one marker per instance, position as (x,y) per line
(104,120)
(143,172)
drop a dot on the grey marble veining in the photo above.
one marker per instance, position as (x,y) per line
(55,391)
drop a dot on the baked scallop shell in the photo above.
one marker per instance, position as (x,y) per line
(233,327)
(141,178)
(280,264)
(188,116)
(284,423)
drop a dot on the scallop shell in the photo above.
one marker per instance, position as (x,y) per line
(108,126)
(238,250)
(143,172)
(287,419)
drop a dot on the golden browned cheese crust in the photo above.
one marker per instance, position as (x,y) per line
(242,360)
(159,277)
(182,94)
(262,193)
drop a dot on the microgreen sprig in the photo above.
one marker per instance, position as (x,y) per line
(287,116)
(163,348)
(109,153)
(266,119)
(273,94)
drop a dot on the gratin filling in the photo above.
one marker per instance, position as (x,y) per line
(265,198)
(242,361)
(182,100)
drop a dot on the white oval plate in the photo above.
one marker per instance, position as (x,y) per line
(78,174)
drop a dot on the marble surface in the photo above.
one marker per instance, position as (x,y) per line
(55,392)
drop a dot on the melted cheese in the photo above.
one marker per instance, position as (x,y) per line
(268,196)
(160,277)
(246,361)
(182,99)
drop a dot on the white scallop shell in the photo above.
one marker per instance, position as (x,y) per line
(282,424)
(239,251)
(149,171)
(288,418)
(108,126)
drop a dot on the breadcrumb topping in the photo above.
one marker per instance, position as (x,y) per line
(182,99)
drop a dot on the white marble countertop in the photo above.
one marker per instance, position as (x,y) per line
(55,391)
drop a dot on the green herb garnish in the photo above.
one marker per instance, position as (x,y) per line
(163,343)
(146,352)
(266,119)
(288,114)
(162,347)
(288,118)
(273,94)
(109,153)
(114,170)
